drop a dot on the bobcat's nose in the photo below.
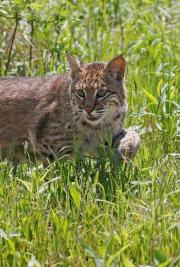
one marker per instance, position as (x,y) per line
(88,109)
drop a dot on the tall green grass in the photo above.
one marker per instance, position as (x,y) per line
(97,213)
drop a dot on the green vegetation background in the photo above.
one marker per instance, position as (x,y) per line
(85,213)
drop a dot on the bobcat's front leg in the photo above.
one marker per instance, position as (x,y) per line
(127,144)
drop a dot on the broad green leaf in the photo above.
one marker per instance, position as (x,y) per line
(150,97)
(160,257)
(75,195)
(159,85)
(126,262)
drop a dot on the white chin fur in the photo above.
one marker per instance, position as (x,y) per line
(94,122)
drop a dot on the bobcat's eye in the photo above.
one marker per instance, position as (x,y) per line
(80,93)
(101,93)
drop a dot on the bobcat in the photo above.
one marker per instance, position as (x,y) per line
(85,105)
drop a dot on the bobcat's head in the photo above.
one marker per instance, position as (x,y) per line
(97,90)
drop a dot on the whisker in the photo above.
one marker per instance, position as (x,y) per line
(99,109)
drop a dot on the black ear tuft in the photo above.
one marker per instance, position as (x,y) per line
(74,66)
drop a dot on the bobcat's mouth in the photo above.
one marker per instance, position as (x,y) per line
(92,118)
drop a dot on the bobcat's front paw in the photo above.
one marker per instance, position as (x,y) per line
(129,145)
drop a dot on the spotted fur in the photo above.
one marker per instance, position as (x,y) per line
(85,106)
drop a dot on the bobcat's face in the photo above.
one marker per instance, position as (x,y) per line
(97,92)
(90,94)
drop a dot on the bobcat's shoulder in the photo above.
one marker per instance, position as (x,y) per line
(23,102)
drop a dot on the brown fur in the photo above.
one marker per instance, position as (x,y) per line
(48,114)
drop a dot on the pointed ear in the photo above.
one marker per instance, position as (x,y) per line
(116,68)
(74,66)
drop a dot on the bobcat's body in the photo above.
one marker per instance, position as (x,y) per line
(51,113)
